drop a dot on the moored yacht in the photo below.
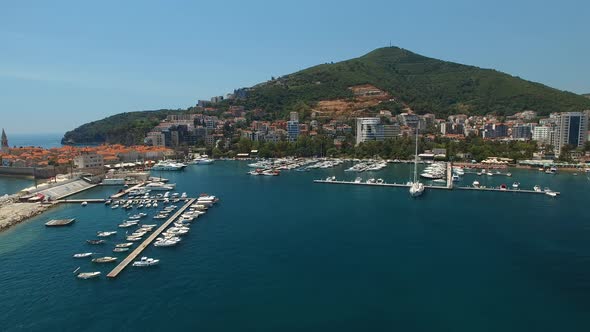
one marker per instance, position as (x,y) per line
(416,187)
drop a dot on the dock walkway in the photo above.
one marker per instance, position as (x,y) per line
(115,272)
(401,185)
(126,191)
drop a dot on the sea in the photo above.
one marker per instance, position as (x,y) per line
(9,184)
(286,254)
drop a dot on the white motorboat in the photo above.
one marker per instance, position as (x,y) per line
(455,178)
(145,261)
(106,259)
(515,185)
(83,255)
(88,275)
(120,249)
(551,193)
(165,243)
(475,184)
(358,180)
(160,186)
(167,165)
(537,188)
(128,224)
(105,234)
(123,245)
(84,203)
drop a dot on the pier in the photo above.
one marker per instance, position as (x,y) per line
(126,191)
(401,185)
(115,272)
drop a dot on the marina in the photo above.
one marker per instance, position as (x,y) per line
(119,268)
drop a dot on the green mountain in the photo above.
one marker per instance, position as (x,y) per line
(124,128)
(424,84)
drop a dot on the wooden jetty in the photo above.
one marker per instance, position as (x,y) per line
(115,272)
(59,222)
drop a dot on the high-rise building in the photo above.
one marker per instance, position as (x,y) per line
(522,132)
(5,147)
(542,134)
(571,129)
(293,130)
(368,129)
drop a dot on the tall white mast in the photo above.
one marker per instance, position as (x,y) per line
(416,157)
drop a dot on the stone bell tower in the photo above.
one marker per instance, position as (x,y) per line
(4,142)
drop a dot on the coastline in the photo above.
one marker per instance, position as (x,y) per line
(13,212)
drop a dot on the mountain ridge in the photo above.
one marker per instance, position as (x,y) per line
(423,84)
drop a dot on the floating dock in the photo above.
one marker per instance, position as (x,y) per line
(80,200)
(401,185)
(59,222)
(115,272)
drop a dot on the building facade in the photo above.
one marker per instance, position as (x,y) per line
(571,129)
(368,129)
(88,159)
(293,129)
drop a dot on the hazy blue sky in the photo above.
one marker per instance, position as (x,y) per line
(64,63)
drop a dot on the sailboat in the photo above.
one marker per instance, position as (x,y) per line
(416,187)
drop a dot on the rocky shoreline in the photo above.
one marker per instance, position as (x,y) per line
(13,212)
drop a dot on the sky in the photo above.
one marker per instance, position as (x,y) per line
(65,63)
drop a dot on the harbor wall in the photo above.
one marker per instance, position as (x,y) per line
(40,173)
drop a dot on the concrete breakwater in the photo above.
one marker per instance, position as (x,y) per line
(13,212)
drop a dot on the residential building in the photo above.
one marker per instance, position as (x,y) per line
(571,129)
(294,116)
(522,132)
(391,131)
(88,159)
(368,129)
(293,128)
(542,134)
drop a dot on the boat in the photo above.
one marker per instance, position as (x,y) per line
(105,234)
(133,238)
(59,222)
(108,202)
(165,243)
(551,193)
(515,185)
(120,249)
(128,224)
(503,187)
(83,255)
(358,180)
(371,181)
(455,178)
(475,184)
(380,181)
(416,187)
(168,165)
(330,179)
(88,275)
(84,203)
(537,188)
(145,261)
(95,241)
(160,186)
(439,181)
(123,245)
(106,259)
(202,160)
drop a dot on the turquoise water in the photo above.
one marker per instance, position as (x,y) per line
(285,254)
(10,185)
